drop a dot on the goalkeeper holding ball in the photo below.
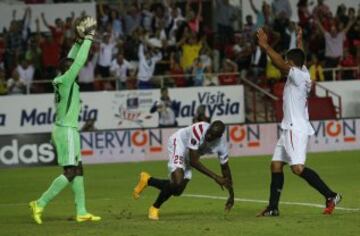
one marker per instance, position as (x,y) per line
(65,134)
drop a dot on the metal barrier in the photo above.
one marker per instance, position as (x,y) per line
(338,71)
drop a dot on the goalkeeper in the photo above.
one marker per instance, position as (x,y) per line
(65,134)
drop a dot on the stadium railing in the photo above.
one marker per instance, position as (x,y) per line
(337,72)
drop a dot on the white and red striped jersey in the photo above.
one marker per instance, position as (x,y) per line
(193,137)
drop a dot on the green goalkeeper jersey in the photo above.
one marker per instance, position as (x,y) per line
(67,95)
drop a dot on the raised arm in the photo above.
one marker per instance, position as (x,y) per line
(199,13)
(74,50)
(299,39)
(79,60)
(253,7)
(276,58)
(141,53)
(349,24)
(44,20)
(318,23)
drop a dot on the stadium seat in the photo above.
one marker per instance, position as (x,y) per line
(320,108)
(278,89)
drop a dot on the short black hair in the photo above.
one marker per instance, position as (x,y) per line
(297,56)
(218,127)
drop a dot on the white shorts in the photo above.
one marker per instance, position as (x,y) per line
(178,157)
(291,147)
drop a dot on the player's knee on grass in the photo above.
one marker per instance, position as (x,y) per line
(79,170)
(70,172)
(297,169)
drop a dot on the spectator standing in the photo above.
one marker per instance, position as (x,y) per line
(148,57)
(193,19)
(177,73)
(87,73)
(334,45)
(57,30)
(226,15)
(321,10)
(190,47)
(106,51)
(281,7)
(15,85)
(119,69)
(198,72)
(263,17)
(315,69)
(228,73)
(26,71)
(13,42)
(132,19)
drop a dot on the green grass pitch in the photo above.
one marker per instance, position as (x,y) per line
(109,187)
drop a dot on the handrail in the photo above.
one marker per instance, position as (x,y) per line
(341,69)
(327,92)
(257,87)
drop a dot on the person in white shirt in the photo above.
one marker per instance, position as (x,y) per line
(148,57)
(26,72)
(16,85)
(296,128)
(185,148)
(119,69)
(106,51)
(87,74)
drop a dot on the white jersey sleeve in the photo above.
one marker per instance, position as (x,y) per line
(197,136)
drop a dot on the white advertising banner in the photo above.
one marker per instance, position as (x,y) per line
(243,140)
(134,145)
(121,109)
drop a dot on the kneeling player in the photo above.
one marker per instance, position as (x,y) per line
(185,148)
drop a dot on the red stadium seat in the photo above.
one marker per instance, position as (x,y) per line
(320,108)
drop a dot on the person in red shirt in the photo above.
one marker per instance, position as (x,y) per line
(348,61)
(226,77)
(193,20)
(50,53)
(177,73)
(57,30)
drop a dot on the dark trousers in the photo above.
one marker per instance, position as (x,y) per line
(330,62)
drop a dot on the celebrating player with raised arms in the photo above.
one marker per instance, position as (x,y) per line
(185,148)
(65,134)
(295,127)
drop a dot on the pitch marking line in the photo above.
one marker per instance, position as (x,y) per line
(263,201)
(210,197)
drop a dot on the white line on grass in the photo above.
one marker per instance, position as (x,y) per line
(263,201)
(208,197)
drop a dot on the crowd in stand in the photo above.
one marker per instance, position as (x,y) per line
(145,44)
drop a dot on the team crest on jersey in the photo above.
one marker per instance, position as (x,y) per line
(193,141)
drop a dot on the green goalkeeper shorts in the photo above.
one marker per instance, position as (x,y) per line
(67,144)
